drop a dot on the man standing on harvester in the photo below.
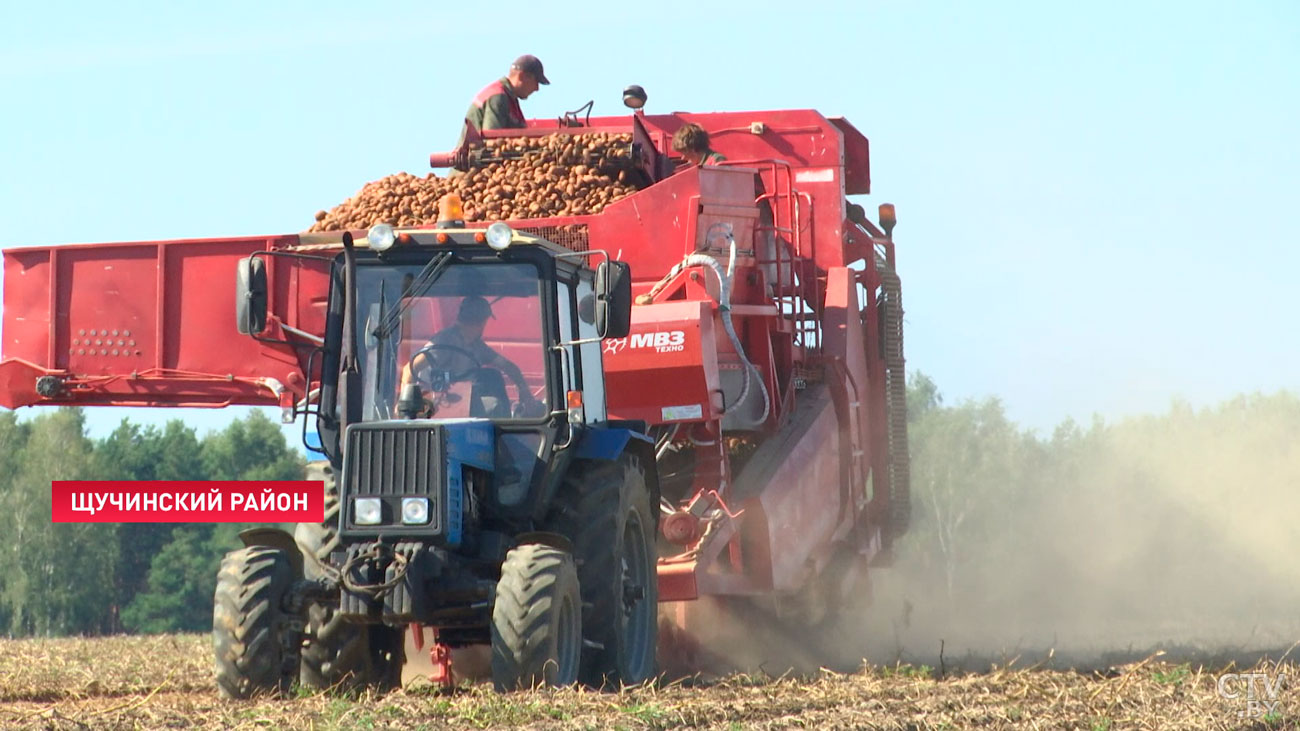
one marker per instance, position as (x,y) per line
(497,105)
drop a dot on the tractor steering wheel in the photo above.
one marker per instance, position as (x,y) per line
(427,350)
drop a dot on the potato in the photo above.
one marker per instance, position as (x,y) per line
(558,175)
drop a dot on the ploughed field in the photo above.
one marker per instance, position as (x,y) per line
(166,682)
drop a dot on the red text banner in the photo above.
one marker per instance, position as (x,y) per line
(222,501)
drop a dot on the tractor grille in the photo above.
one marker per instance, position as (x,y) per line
(571,236)
(391,461)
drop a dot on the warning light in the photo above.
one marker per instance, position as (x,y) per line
(573,399)
(887,219)
(450,211)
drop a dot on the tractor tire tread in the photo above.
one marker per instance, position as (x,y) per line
(246,611)
(532,578)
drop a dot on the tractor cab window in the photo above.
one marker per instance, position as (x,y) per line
(470,336)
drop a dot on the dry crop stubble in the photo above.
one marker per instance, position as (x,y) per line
(166,682)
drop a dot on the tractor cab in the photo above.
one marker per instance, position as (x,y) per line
(480,345)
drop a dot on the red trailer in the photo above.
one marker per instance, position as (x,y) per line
(764,357)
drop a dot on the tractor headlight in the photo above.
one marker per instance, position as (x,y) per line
(368,511)
(415,510)
(499,235)
(381,237)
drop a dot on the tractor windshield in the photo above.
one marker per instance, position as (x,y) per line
(469,335)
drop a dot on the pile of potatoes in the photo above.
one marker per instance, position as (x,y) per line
(527,177)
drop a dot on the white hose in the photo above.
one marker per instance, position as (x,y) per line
(724,307)
(698,442)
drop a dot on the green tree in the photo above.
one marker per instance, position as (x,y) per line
(923,396)
(133,452)
(13,440)
(56,573)
(181,579)
(964,466)
(251,449)
(182,575)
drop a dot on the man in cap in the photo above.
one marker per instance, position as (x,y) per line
(497,105)
(459,350)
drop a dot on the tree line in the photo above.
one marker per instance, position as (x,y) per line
(1152,515)
(1178,519)
(102,578)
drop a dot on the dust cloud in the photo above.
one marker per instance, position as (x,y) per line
(1175,533)
(1091,547)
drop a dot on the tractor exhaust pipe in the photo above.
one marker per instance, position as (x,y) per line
(350,371)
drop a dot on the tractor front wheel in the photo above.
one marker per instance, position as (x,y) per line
(254,639)
(536,620)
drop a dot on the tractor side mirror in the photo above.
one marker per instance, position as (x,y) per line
(250,295)
(613,299)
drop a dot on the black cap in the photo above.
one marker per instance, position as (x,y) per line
(529,63)
(474,309)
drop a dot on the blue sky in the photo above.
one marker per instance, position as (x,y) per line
(1095,199)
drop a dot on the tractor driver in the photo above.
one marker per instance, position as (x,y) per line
(692,141)
(468,358)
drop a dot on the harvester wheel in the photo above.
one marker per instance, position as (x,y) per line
(254,654)
(536,620)
(338,654)
(605,508)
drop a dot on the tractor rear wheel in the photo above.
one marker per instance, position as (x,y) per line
(605,509)
(536,620)
(338,654)
(254,639)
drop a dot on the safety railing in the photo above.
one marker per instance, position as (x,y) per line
(789,260)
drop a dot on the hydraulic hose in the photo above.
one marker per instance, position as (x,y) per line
(724,307)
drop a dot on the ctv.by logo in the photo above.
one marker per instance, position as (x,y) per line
(1260,693)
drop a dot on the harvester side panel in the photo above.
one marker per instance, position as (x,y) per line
(800,491)
(653,229)
(151,324)
(666,369)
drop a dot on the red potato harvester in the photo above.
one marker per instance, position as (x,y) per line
(711,382)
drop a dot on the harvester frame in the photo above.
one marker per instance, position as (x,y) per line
(764,355)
